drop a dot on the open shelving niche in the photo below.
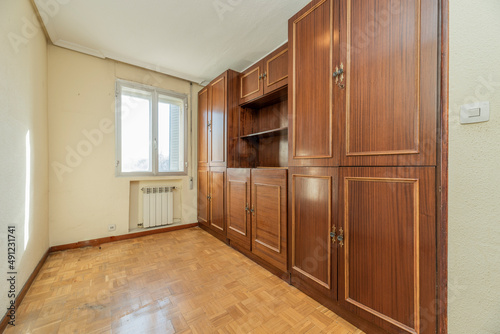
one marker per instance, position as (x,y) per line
(262,137)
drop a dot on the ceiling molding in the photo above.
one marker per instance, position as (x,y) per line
(152,67)
(79,48)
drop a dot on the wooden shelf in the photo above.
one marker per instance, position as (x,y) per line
(267,133)
(273,97)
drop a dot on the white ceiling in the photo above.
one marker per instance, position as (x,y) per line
(192,39)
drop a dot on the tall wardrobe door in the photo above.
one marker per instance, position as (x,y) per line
(313,207)
(203,121)
(389,52)
(218,113)
(311,115)
(217,198)
(387,264)
(203,195)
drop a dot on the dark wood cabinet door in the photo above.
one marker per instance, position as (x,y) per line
(269,216)
(218,120)
(203,121)
(251,85)
(389,50)
(387,265)
(276,69)
(217,199)
(203,191)
(313,211)
(238,206)
(312,119)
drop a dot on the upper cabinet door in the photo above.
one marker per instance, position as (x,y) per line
(312,118)
(218,119)
(251,85)
(276,69)
(389,54)
(203,122)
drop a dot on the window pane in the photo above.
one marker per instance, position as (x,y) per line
(135,130)
(170,134)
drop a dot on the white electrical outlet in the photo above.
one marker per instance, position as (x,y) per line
(111,227)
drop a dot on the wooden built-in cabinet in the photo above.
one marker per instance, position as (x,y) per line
(266,76)
(257,213)
(362,144)
(334,140)
(218,116)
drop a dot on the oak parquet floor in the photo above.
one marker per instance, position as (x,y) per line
(176,282)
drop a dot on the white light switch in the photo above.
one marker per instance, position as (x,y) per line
(475,112)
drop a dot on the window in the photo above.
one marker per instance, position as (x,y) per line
(151,133)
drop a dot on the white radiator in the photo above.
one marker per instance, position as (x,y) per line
(158,206)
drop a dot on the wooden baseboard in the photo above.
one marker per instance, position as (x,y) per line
(285,276)
(214,233)
(100,241)
(24,290)
(334,306)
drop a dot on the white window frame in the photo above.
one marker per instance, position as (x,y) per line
(155,91)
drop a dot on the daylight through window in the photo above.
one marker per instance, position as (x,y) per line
(151,134)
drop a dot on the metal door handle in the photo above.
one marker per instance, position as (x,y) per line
(340,237)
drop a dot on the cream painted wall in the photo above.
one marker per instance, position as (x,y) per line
(85,195)
(23,166)
(474,176)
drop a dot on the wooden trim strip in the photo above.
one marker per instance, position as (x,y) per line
(442,181)
(97,242)
(5,320)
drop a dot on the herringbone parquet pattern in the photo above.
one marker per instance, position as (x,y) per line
(178,282)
